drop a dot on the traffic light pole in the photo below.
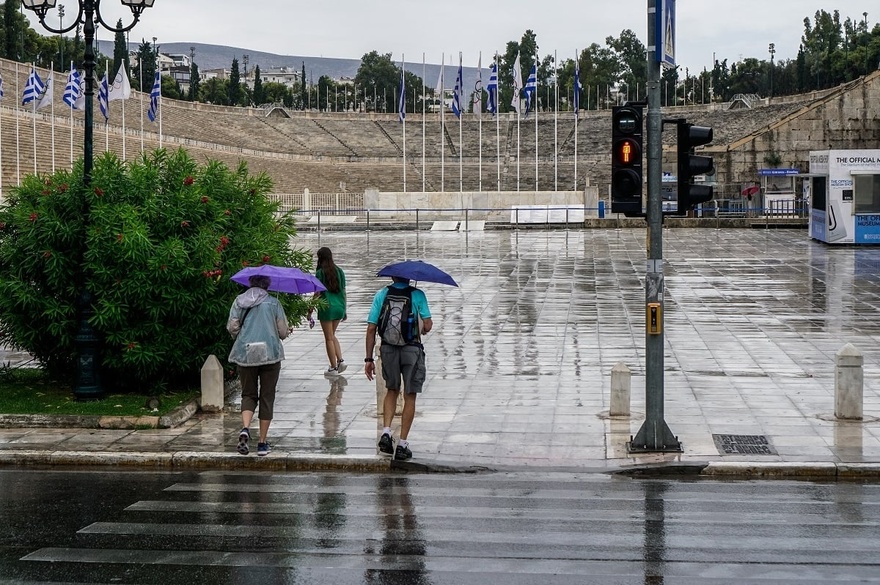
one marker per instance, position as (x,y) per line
(654,435)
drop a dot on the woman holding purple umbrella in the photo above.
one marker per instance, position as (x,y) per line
(258,324)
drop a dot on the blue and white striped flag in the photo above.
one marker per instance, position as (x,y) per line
(103,95)
(531,87)
(577,88)
(401,100)
(492,89)
(155,93)
(73,89)
(456,93)
(33,88)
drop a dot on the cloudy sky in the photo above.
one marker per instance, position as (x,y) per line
(732,30)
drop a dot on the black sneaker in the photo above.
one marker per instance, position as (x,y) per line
(402,453)
(386,444)
(243,438)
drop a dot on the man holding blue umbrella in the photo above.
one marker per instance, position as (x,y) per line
(402,353)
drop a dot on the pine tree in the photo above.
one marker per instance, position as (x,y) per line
(304,96)
(259,98)
(194,82)
(12,25)
(120,52)
(234,89)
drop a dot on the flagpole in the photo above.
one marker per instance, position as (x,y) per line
(123,116)
(141,101)
(497,125)
(52,111)
(402,112)
(460,116)
(17,143)
(160,110)
(442,128)
(577,120)
(555,122)
(71,121)
(480,120)
(34,121)
(424,95)
(535,95)
(107,119)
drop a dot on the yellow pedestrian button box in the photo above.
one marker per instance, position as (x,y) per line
(654,319)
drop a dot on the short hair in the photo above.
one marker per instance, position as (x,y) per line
(260,281)
(400,279)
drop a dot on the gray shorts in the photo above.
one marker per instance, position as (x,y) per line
(408,362)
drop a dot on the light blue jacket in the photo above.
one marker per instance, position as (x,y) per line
(258,338)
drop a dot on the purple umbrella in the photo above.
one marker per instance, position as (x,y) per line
(286,279)
(417,270)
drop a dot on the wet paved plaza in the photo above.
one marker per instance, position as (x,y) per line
(520,359)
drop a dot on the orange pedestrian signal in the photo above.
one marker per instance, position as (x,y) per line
(627,124)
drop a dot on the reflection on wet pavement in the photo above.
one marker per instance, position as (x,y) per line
(520,358)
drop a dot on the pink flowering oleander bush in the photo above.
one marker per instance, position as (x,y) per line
(155,242)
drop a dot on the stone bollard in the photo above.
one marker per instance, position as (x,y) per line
(849,381)
(621,389)
(212,385)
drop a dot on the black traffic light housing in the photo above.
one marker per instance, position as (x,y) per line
(627,130)
(689,165)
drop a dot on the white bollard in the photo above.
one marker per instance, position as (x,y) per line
(212,385)
(849,382)
(621,389)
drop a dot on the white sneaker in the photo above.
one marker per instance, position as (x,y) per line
(341,366)
(331,372)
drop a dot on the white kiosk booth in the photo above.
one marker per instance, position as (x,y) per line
(844,192)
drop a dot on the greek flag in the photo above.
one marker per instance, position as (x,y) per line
(531,87)
(492,89)
(33,89)
(401,101)
(73,89)
(577,88)
(155,93)
(456,93)
(103,95)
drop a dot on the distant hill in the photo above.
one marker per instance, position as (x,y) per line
(217,56)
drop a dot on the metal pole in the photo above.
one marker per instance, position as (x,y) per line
(654,435)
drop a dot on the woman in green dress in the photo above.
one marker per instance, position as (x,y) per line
(330,315)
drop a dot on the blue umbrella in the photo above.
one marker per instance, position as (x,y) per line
(286,279)
(417,270)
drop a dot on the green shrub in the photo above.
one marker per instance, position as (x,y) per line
(155,250)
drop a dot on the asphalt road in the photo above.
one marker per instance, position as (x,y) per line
(215,527)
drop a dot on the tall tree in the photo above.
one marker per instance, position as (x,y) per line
(194,82)
(259,98)
(215,91)
(13,30)
(145,70)
(235,95)
(120,52)
(377,77)
(303,88)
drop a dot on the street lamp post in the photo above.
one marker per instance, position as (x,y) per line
(772,53)
(867,43)
(61,25)
(88,385)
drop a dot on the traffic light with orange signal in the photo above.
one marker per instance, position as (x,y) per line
(627,130)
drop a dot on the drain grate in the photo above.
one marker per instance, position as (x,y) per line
(743,445)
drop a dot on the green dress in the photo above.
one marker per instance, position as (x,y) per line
(335,309)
